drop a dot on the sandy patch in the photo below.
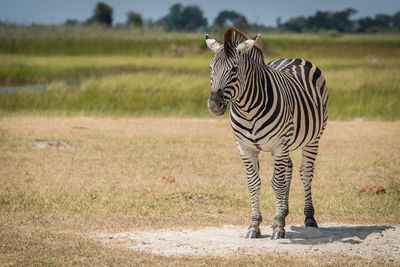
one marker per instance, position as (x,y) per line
(352,240)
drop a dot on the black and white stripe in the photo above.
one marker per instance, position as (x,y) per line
(275,107)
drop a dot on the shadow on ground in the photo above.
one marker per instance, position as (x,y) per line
(329,234)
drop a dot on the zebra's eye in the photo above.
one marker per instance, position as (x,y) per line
(234,70)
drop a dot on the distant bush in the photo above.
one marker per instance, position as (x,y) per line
(329,33)
(71,22)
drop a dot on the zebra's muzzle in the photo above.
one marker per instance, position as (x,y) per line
(216,103)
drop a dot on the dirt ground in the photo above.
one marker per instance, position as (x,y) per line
(353,240)
(166,191)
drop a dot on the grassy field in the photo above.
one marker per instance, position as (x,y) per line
(128,72)
(110,182)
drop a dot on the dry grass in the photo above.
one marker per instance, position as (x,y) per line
(111,182)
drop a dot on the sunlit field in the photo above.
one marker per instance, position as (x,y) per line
(133,106)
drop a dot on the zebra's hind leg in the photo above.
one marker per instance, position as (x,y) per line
(288,178)
(250,159)
(307,172)
(280,184)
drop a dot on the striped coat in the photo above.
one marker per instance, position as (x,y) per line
(277,107)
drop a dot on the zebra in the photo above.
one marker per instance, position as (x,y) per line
(276,107)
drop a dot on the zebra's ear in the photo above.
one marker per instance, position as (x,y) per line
(247,45)
(212,44)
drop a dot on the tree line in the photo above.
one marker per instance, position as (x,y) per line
(341,21)
(191,18)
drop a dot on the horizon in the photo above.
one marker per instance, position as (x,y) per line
(58,11)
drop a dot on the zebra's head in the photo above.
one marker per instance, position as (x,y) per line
(227,68)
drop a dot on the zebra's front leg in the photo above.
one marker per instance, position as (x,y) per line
(250,159)
(281,184)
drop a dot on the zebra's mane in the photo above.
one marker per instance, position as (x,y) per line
(233,37)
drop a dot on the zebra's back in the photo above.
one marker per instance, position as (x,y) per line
(308,74)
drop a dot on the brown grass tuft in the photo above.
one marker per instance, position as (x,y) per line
(167,179)
(373,190)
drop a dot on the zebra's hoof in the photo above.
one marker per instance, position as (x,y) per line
(310,222)
(277,235)
(253,234)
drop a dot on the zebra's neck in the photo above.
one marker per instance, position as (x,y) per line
(256,95)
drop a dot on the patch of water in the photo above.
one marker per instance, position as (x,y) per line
(11,90)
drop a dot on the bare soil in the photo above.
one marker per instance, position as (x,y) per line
(352,240)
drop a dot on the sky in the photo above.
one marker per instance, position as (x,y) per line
(256,11)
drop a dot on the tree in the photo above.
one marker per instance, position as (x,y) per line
(380,23)
(396,21)
(230,17)
(341,20)
(323,20)
(279,22)
(193,18)
(383,22)
(189,18)
(134,19)
(297,24)
(102,14)
(366,25)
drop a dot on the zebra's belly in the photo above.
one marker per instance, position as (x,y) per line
(259,140)
(270,145)
(265,147)
(262,145)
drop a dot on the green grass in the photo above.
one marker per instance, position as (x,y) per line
(99,47)
(344,47)
(175,86)
(60,40)
(42,70)
(132,72)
